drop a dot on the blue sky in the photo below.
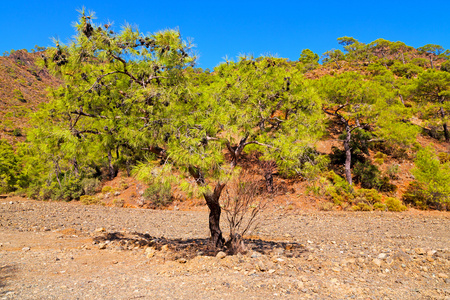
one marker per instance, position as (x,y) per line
(231,28)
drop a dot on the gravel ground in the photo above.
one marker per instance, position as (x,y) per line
(54,250)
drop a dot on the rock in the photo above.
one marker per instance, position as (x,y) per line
(337,270)
(420,251)
(101,229)
(255,254)
(278,251)
(401,256)
(289,247)
(377,262)
(165,248)
(431,253)
(382,256)
(182,260)
(150,252)
(300,285)
(271,271)
(102,246)
(260,266)
(221,255)
(26,249)
(116,193)
(443,275)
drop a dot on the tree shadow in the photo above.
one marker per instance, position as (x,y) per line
(190,248)
(6,273)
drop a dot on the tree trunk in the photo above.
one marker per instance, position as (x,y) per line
(446,134)
(212,200)
(112,173)
(348,156)
(431,62)
(75,167)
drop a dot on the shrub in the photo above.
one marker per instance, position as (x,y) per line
(380,206)
(90,185)
(368,195)
(361,207)
(417,196)
(106,189)
(88,200)
(369,176)
(159,194)
(393,204)
(392,171)
(434,178)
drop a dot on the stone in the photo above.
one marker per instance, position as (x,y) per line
(150,252)
(182,260)
(101,229)
(102,246)
(221,255)
(260,266)
(377,262)
(255,254)
(443,275)
(420,251)
(431,253)
(26,249)
(382,256)
(165,248)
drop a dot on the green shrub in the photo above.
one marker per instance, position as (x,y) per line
(11,171)
(90,185)
(434,178)
(393,204)
(88,200)
(380,206)
(392,171)
(107,189)
(361,207)
(159,194)
(368,195)
(369,176)
(417,196)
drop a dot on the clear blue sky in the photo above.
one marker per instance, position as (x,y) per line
(231,28)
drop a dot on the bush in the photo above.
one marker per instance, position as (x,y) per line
(90,185)
(371,196)
(434,177)
(11,172)
(369,176)
(159,194)
(380,206)
(107,189)
(416,195)
(393,204)
(362,207)
(89,200)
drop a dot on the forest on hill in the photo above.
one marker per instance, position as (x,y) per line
(122,100)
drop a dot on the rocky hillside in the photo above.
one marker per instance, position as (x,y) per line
(23,87)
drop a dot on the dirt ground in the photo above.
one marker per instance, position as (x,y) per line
(56,250)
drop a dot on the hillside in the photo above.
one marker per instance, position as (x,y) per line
(23,86)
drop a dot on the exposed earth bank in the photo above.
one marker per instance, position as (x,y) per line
(55,250)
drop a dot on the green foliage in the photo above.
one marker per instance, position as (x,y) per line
(89,200)
(159,194)
(11,175)
(393,204)
(417,196)
(19,95)
(434,177)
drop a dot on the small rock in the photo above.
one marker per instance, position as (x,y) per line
(336,269)
(443,275)
(165,248)
(430,259)
(182,260)
(420,251)
(261,267)
(116,193)
(289,247)
(256,254)
(300,285)
(382,256)
(101,229)
(26,249)
(102,246)
(271,271)
(431,253)
(221,255)
(150,252)
(377,262)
